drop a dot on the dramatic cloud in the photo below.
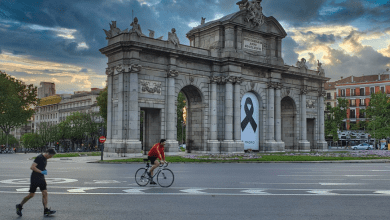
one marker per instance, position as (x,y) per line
(60,40)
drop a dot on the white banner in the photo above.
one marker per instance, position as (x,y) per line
(250,121)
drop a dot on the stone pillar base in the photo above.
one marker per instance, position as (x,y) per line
(304,146)
(228,146)
(239,146)
(322,146)
(281,146)
(171,147)
(271,146)
(213,146)
(123,146)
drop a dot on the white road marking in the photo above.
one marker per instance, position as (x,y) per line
(102,182)
(193,191)
(258,191)
(386,192)
(134,191)
(80,190)
(332,175)
(48,181)
(322,192)
(23,190)
(340,184)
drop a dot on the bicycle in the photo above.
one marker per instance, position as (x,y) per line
(164,175)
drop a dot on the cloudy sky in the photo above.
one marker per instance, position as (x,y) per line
(59,41)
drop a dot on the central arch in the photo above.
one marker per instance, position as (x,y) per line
(288,113)
(194,123)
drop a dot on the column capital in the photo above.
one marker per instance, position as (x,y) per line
(215,79)
(228,79)
(135,68)
(304,90)
(274,85)
(321,93)
(238,80)
(279,86)
(110,71)
(172,73)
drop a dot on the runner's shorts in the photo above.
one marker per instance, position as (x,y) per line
(37,182)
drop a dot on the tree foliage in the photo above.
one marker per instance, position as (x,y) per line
(102,103)
(16,102)
(181,130)
(378,113)
(335,117)
(32,140)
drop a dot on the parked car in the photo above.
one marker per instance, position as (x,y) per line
(363,146)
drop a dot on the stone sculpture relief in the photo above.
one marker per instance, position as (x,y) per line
(136,27)
(302,64)
(109,71)
(320,70)
(310,103)
(135,68)
(172,73)
(151,87)
(172,37)
(304,90)
(114,31)
(151,33)
(254,11)
(203,21)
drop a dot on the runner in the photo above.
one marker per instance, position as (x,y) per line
(38,180)
(157,151)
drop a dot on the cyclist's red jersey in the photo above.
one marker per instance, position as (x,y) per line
(157,151)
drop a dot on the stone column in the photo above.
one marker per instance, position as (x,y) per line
(321,144)
(121,110)
(133,142)
(109,73)
(170,108)
(213,143)
(228,143)
(304,145)
(237,116)
(271,144)
(278,118)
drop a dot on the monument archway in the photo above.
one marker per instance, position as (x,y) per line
(288,113)
(194,121)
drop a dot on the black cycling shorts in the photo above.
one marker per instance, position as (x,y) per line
(152,159)
(35,183)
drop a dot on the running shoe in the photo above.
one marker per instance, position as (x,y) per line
(19,209)
(48,212)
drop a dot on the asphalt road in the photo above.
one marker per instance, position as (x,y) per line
(80,190)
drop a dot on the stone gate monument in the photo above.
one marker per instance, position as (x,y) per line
(240,94)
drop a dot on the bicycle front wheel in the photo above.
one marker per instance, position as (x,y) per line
(165,178)
(141,177)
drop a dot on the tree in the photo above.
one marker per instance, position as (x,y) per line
(102,103)
(77,122)
(378,112)
(46,133)
(334,121)
(16,103)
(93,122)
(181,103)
(31,140)
(11,139)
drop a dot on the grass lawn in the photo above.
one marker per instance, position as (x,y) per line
(258,157)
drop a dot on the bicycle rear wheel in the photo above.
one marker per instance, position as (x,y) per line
(165,178)
(141,177)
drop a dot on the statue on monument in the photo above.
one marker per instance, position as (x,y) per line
(136,27)
(114,31)
(302,64)
(203,21)
(172,37)
(254,11)
(320,70)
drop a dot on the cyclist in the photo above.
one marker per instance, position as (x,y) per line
(157,151)
(38,180)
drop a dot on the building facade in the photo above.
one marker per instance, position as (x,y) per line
(240,95)
(358,91)
(46,89)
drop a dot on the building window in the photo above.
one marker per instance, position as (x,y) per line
(383,89)
(352,113)
(328,96)
(353,102)
(362,91)
(362,102)
(353,92)
(362,115)
(342,91)
(372,90)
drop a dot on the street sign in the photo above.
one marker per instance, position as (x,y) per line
(102,139)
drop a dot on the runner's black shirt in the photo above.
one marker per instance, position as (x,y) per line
(41,162)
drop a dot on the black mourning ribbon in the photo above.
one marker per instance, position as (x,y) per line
(249,114)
